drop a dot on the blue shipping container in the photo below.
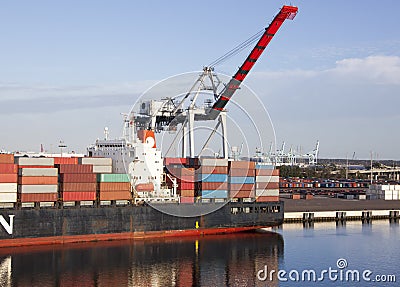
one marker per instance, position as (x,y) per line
(214,194)
(264,166)
(241,179)
(213,177)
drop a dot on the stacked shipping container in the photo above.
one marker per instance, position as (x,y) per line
(267,183)
(77,182)
(100,164)
(8,179)
(241,179)
(185,178)
(37,180)
(212,178)
(114,186)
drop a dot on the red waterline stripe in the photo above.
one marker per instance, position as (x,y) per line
(16,242)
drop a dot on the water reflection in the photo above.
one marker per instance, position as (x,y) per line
(208,261)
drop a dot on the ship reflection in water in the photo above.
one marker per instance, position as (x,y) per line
(225,260)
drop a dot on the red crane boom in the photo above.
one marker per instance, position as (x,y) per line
(286,12)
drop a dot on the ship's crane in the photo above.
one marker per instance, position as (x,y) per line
(168,113)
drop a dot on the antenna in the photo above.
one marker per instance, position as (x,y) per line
(61,145)
(106,133)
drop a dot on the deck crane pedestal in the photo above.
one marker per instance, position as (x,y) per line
(168,113)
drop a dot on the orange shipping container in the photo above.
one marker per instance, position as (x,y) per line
(273,172)
(267,199)
(36,166)
(65,160)
(267,185)
(81,186)
(78,177)
(212,169)
(78,195)
(38,180)
(242,164)
(114,186)
(6,158)
(8,178)
(240,186)
(241,194)
(8,168)
(115,195)
(242,172)
(179,172)
(75,168)
(185,185)
(213,185)
(38,197)
(187,199)
(187,192)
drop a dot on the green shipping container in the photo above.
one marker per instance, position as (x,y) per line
(112,177)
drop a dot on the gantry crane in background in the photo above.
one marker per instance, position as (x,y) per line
(168,113)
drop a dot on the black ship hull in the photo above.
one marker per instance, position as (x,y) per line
(81,224)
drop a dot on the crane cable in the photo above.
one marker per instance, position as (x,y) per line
(237,49)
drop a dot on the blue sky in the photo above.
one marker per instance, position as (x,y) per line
(68,68)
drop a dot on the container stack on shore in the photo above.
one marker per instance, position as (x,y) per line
(212,179)
(113,186)
(241,179)
(37,181)
(267,183)
(8,180)
(77,182)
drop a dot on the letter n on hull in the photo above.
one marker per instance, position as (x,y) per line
(7,226)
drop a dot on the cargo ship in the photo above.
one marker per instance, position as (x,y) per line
(125,189)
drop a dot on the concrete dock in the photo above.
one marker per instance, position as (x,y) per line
(335,209)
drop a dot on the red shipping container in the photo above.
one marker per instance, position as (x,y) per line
(6,158)
(65,160)
(179,172)
(273,172)
(115,195)
(75,168)
(185,185)
(81,186)
(212,169)
(78,195)
(38,197)
(38,180)
(241,186)
(213,185)
(267,199)
(174,160)
(8,168)
(267,185)
(113,186)
(187,193)
(242,172)
(36,166)
(242,164)
(9,178)
(241,194)
(187,199)
(78,177)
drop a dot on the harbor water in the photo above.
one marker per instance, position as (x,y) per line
(293,255)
